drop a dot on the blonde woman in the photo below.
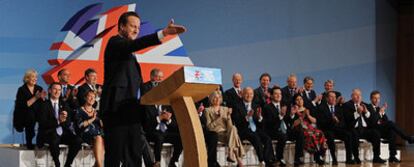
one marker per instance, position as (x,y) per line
(27,102)
(219,121)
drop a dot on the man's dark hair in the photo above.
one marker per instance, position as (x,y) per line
(307,78)
(54,83)
(329,92)
(89,71)
(123,19)
(265,75)
(375,92)
(61,71)
(275,88)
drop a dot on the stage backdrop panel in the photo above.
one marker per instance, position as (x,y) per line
(349,41)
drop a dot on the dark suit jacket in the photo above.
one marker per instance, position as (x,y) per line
(325,117)
(151,112)
(290,120)
(259,96)
(377,120)
(231,97)
(308,101)
(271,120)
(24,115)
(287,98)
(239,114)
(122,75)
(72,102)
(349,109)
(151,120)
(48,122)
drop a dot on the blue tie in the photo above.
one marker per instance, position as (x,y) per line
(139,94)
(252,125)
(163,126)
(59,129)
(64,91)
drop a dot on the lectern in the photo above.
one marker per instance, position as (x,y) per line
(187,85)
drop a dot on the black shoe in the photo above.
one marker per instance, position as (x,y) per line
(230,160)
(411,140)
(30,146)
(378,160)
(319,161)
(281,162)
(357,161)
(298,163)
(334,162)
(349,162)
(172,164)
(393,160)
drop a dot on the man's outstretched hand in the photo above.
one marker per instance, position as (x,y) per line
(173,29)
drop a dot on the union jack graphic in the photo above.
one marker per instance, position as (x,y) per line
(82,41)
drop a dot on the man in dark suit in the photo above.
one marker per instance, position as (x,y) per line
(69,92)
(274,124)
(290,90)
(160,125)
(90,85)
(248,119)
(386,127)
(56,126)
(359,122)
(295,132)
(329,87)
(122,79)
(262,93)
(331,121)
(310,98)
(233,95)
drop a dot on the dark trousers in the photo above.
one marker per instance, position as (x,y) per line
(281,143)
(74,143)
(389,131)
(211,140)
(124,144)
(261,143)
(298,136)
(166,137)
(372,135)
(341,134)
(147,155)
(29,131)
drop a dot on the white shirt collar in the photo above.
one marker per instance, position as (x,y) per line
(276,103)
(54,101)
(236,89)
(91,86)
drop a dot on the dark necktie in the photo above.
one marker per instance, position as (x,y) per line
(59,129)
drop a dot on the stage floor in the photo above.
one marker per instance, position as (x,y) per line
(407,156)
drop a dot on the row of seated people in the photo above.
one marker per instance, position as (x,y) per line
(311,121)
(263,115)
(70,116)
(65,115)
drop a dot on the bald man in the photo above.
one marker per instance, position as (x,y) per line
(233,95)
(248,119)
(359,122)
